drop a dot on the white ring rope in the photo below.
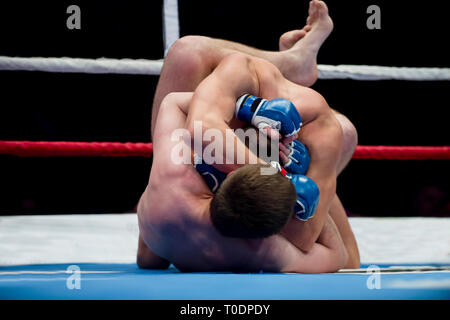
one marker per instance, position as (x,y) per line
(172,33)
(79,65)
(363,72)
(153,67)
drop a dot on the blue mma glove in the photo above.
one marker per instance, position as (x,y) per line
(298,158)
(279,114)
(210,175)
(307,193)
(307,196)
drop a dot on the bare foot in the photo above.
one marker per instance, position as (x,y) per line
(300,47)
(288,39)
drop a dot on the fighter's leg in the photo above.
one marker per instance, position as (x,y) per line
(297,58)
(299,62)
(192,58)
(337,211)
(349,141)
(187,63)
(339,216)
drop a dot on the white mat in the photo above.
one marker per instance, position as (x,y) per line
(112,238)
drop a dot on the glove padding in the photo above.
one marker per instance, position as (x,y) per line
(279,114)
(307,196)
(298,158)
(212,177)
(307,193)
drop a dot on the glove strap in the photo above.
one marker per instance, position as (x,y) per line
(246,106)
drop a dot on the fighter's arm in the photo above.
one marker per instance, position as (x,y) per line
(147,259)
(213,105)
(328,254)
(323,137)
(172,115)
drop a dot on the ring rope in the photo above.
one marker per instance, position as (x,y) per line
(153,67)
(75,149)
(402,152)
(367,73)
(140,149)
(81,65)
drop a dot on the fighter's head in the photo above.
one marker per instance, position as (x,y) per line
(252,205)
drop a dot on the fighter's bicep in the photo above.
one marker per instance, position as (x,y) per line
(170,151)
(170,118)
(218,92)
(212,101)
(319,259)
(310,104)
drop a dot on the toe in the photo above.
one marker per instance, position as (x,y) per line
(322,9)
(288,39)
(307,28)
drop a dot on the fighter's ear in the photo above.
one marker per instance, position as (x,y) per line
(229,173)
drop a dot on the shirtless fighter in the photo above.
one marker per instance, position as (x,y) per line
(174,211)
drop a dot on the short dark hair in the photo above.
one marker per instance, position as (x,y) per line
(252,205)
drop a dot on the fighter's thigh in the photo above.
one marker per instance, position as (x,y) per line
(349,140)
(339,216)
(191,53)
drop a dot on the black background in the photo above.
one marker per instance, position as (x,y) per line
(83,107)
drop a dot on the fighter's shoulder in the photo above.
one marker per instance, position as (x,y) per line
(171,203)
(266,71)
(309,102)
(181,181)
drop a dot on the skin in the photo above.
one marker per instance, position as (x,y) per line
(202,248)
(264,74)
(213,104)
